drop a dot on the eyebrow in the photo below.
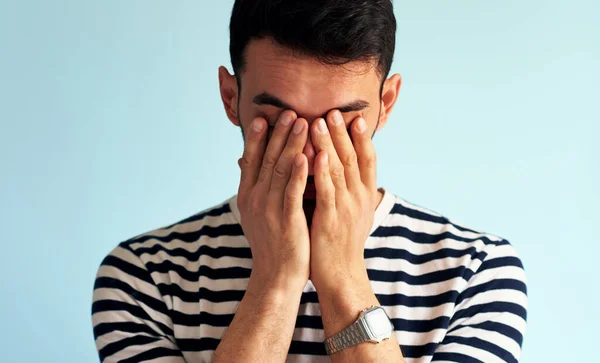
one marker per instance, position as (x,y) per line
(268,99)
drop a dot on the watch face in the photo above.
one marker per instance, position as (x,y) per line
(379,323)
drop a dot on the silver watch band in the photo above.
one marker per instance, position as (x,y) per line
(352,335)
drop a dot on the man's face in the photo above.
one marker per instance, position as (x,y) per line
(307,87)
(276,79)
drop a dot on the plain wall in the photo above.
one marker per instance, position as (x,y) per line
(112,125)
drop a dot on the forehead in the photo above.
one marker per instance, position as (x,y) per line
(304,83)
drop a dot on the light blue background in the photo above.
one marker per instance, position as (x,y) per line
(112,125)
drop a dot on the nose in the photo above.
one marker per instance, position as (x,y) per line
(309,151)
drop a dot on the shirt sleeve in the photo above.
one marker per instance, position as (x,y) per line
(130,319)
(490,315)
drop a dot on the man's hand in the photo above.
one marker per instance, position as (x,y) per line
(345,180)
(270,202)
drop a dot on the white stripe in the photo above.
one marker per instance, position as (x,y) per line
(470,351)
(433,228)
(493,337)
(399,242)
(511,320)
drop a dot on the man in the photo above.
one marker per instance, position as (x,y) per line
(310,245)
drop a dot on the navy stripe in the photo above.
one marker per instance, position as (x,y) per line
(498,284)
(500,262)
(300,347)
(318,349)
(173,290)
(416,214)
(374,275)
(428,278)
(493,307)
(204,318)
(124,343)
(306,321)
(130,269)
(204,250)
(193,236)
(426,238)
(198,345)
(421,326)
(246,253)
(307,348)
(123,326)
(153,353)
(111,305)
(483,345)
(111,283)
(414,326)
(496,327)
(213,212)
(211,273)
(402,254)
(454,357)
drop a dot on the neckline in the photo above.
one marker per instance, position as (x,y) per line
(383,209)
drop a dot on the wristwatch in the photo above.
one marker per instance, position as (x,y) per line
(373,325)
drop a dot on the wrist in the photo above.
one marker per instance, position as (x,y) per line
(340,306)
(275,286)
(338,282)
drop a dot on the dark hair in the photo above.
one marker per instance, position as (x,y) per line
(334,32)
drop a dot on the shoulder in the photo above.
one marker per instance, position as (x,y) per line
(424,232)
(173,248)
(186,234)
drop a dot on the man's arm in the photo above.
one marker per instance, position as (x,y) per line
(264,322)
(340,308)
(490,316)
(130,318)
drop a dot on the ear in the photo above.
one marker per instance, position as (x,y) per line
(229,95)
(389,96)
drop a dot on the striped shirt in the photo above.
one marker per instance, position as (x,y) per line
(453,294)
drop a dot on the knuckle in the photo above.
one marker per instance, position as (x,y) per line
(350,160)
(268,162)
(337,170)
(327,200)
(256,206)
(279,171)
(370,161)
(246,161)
(290,197)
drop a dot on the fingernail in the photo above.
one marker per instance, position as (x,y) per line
(298,127)
(286,119)
(257,125)
(337,118)
(322,126)
(362,125)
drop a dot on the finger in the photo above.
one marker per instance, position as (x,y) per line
(344,148)
(249,164)
(274,149)
(321,139)
(365,152)
(281,173)
(323,183)
(294,192)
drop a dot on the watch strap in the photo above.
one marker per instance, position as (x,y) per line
(352,335)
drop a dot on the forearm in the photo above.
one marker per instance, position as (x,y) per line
(339,309)
(263,325)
